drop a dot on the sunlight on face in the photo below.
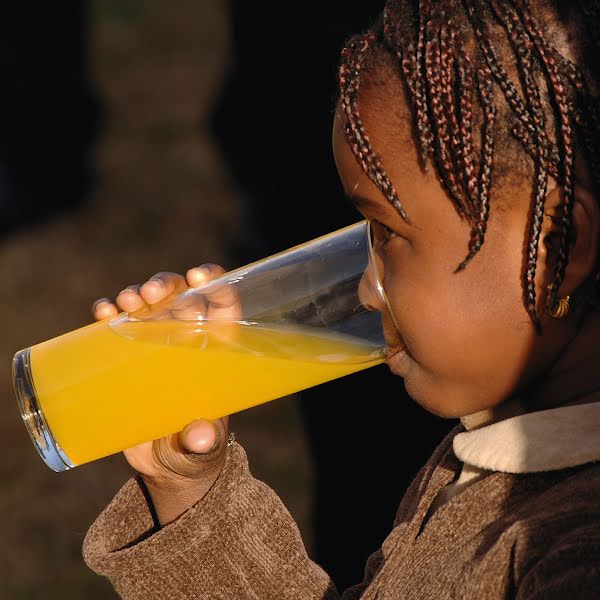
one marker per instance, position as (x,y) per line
(463,341)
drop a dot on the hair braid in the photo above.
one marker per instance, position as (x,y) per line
(499,73)
(433,66)
(349,78)
(451,92)
(484,85)
(566,142)
(466,75)
(420,98)
(523,47)
(448,62)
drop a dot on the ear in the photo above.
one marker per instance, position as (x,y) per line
(583,254)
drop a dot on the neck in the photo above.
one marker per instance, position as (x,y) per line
(510,408)
(573,379)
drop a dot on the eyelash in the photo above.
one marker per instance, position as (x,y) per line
(389,234)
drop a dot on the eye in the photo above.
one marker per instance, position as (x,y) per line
(383,234)
(390,235)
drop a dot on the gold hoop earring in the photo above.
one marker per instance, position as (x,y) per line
(562,307)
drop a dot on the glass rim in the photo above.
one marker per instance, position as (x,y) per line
(380,289)
(33,415)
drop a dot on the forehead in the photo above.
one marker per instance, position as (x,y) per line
(388,124)
(390,136)
(417,190)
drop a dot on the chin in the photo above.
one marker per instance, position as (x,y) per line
(436,402)
(442,411)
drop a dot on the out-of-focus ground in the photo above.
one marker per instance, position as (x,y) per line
(162,200)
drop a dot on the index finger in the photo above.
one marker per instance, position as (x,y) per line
(158,293)
(219,301)
(162,286)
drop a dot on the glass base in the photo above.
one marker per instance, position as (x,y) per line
(33,416)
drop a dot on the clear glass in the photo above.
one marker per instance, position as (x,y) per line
(260,332)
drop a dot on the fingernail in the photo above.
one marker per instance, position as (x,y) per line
(198,273)
(214,447)
(101,306)
(197,444)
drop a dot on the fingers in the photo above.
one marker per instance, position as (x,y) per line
(223,300)
(161,286)
(140,457)
(200,437)
(203,436)
(199,275)
(103,308)
(129,299)
(194,452)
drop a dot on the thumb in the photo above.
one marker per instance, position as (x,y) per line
(196,451)
(200,437)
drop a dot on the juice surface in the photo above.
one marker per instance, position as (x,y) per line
(114,384)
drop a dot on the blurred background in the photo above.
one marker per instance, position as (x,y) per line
(107,176)
(138,136)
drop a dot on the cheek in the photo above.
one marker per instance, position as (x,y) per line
(462,329)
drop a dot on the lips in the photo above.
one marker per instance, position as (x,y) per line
(397,354)
(397,361)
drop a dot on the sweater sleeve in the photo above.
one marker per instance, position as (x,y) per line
(238,542)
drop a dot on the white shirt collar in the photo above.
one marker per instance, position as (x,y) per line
(545,440)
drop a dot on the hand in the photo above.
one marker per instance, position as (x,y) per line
(179,469)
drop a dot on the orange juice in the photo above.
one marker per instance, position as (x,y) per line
(114,384)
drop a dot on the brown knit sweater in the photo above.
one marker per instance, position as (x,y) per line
(523,535)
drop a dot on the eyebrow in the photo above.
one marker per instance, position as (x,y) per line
(379,211)
(364,202)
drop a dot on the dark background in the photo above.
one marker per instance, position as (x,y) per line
(137,137)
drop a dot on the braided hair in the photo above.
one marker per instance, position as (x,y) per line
(453,58)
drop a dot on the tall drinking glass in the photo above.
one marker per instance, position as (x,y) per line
(263,331)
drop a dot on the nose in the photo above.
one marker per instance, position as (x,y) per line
(370,290)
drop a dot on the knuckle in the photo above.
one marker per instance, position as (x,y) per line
(171,455)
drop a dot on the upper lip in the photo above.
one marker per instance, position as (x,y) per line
(394,349)
(393,340)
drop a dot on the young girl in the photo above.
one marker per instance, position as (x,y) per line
(467,133)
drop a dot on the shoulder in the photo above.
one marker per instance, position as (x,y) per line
(553,503)
(566,494)
(556,534)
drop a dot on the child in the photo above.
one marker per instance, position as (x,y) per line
(466,132)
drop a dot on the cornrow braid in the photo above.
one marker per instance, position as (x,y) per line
(442,153)
(511,94)
(565,143)
(452,95)
(466,76)
(420,96)
(349,78)
(523,47)
(485,174)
